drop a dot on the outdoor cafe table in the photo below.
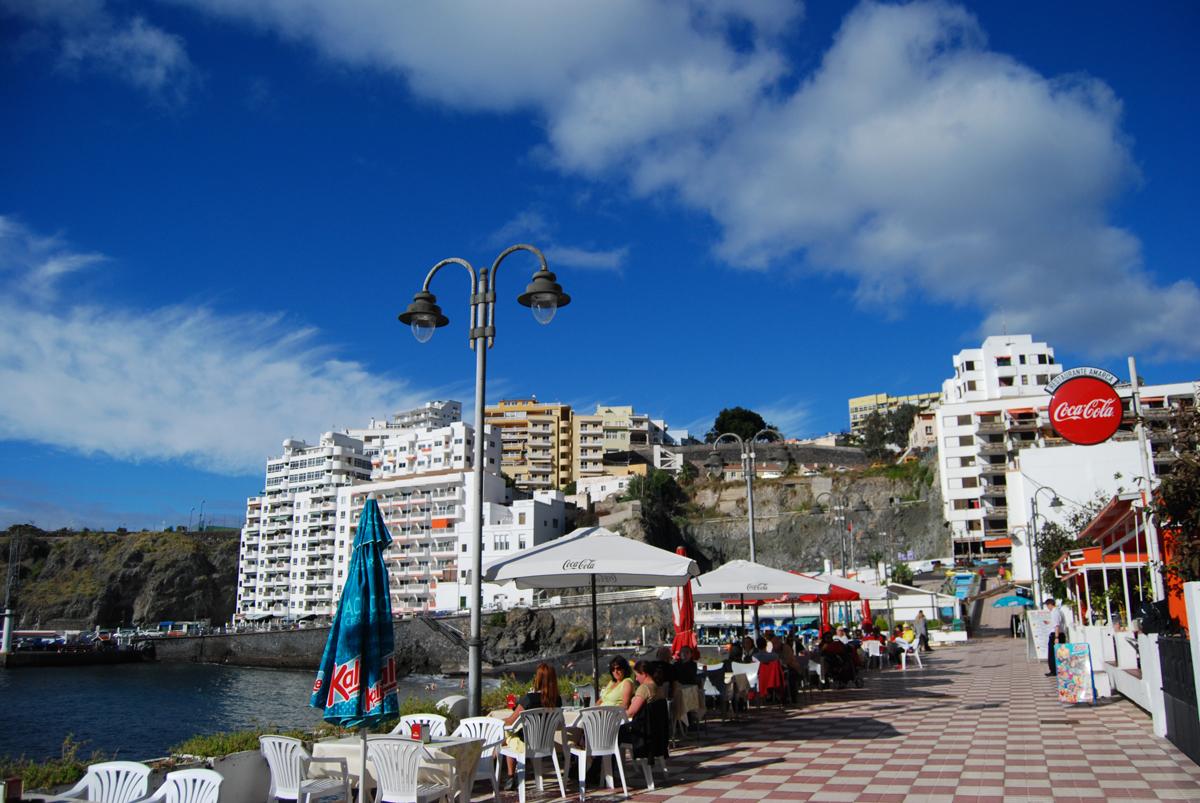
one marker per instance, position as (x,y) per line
(464,752)
(570,717)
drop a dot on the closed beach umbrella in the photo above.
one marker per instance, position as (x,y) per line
(591,557)
(356,679)
(683,615)
(744,582)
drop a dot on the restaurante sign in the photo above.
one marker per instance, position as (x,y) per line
(1084,408)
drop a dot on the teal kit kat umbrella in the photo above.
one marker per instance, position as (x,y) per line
(356,679)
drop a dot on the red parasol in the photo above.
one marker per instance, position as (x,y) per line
(683,615)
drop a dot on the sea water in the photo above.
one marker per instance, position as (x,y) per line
(139,711)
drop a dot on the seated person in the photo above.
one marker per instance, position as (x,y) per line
(684,669)
(663,658)
(841,636)
(747,646)
(620,690)
(544,694)
(761,654)
(734,655)
(639,731)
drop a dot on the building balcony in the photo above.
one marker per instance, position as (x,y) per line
(988,468)
(993,447)
(990,428)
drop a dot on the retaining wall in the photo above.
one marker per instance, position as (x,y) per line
(420,646)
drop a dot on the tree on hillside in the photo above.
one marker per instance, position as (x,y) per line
(899,423)
(738,420)
(1177,503)
(875,435)
(662,503)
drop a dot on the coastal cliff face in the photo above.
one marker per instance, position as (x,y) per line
(85,580)
(896,510)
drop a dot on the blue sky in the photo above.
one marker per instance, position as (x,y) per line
(211,212)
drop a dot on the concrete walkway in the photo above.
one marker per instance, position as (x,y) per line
(978,723)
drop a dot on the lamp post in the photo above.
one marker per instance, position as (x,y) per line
(715,463)
(839,507)
(1035,570)
(543,295)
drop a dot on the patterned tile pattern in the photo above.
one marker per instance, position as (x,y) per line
(978,724)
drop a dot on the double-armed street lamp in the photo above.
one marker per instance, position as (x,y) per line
(544,296)
(840,508)
(1034,555)
(716,466)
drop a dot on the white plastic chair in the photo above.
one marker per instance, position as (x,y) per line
(907,649)
(491,731)
(112,782)
(537,732)
(397,761)
(188,786)
(433,724)
(874,651)
(601,729)
(750,671)
(288,763)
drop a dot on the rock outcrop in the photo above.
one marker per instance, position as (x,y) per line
(85,580)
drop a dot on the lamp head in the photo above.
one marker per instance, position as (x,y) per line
(423,315)
(544,295)
(1056,502)
(714,463)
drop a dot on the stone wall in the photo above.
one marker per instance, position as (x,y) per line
(421,646)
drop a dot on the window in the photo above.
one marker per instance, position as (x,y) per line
(1024,379)
(969,365)
(966,440)
(521,543)
(971,384)
(555,522)
(1042,379)
(520,518)
(1003,362)
(1021,359)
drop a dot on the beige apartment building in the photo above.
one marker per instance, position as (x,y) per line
(612,429)
(535,442)
(862,406)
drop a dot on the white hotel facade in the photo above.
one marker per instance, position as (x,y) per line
(297,540)
(990,426)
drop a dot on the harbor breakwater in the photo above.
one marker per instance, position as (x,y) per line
(427,645)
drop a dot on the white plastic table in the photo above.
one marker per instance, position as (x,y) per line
(464,752)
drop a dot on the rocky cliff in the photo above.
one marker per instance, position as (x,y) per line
(894,510)
(84,580)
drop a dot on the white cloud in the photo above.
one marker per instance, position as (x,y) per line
(531,226)
(789,417)
(217,391)
(86,34)
(913,159)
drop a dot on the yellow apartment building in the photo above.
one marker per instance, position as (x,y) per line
(535,441)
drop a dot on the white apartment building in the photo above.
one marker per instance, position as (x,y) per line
(405,452)
(431,415)
(421,512)
(286,556)
(507,530)
(995,409)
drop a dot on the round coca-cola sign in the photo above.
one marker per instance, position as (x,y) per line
(1085,410)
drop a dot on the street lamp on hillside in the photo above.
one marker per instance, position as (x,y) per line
(544,296)
(716,466)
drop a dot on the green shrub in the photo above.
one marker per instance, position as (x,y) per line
(68,768)
(213,745)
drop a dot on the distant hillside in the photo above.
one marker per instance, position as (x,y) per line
(81,580)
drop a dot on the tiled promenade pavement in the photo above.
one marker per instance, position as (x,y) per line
(978,723)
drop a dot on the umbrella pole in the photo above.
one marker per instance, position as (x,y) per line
(595,649)
(362,779)
(742,607)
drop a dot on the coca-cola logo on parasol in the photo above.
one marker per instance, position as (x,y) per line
(1085,409)
(756,586)
(584,564)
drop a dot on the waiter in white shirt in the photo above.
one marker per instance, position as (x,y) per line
(1058,634)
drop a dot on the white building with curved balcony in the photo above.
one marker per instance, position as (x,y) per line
(286,555)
